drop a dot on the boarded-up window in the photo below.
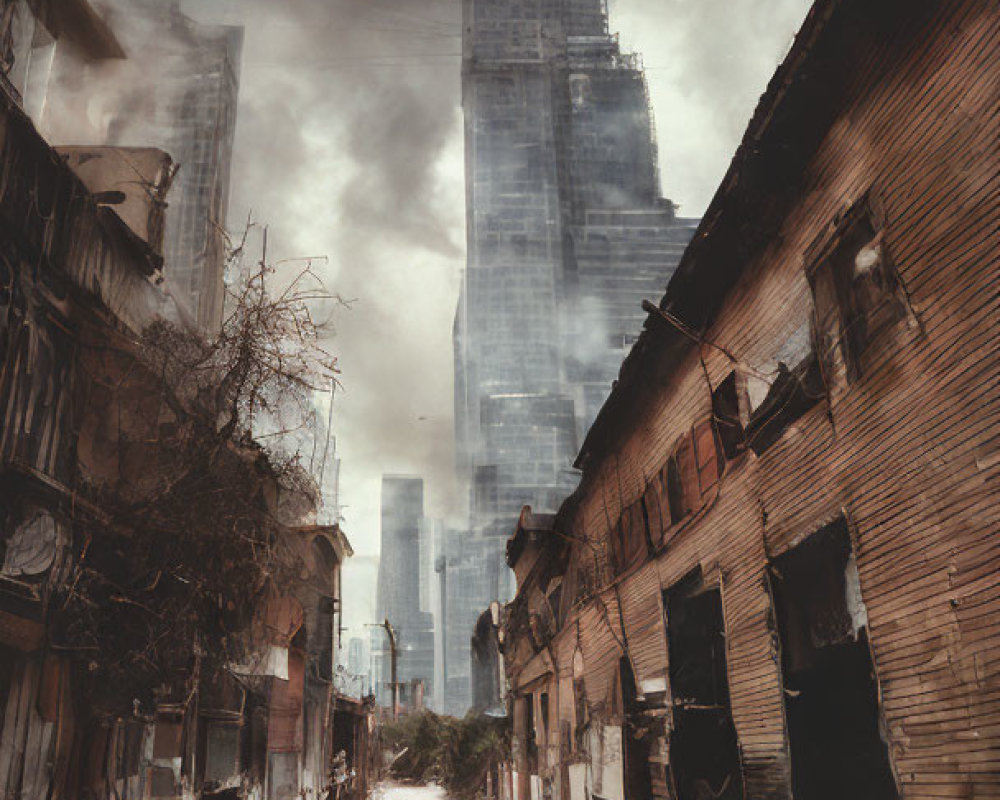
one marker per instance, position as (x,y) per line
(856,290)
(708,454)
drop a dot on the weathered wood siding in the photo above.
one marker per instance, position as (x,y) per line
(907,452)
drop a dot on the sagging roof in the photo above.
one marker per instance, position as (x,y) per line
(802,100)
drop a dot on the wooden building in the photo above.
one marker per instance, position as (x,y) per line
(85,421)
(779,576)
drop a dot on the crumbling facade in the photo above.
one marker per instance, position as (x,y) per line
(177,91)
(98,696)
(778,575)
(567,234)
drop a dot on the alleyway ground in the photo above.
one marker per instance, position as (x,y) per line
(390,790)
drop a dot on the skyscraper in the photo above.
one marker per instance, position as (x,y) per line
(567,234)
(402,511)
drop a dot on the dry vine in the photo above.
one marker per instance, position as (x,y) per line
(167,586)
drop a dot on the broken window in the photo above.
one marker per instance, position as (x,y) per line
(831,696)
(794,390)
(856,290)
(726,411)
(704,752)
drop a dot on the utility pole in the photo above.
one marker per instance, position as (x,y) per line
(392,668)
(393,682)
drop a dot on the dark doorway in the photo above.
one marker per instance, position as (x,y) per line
(636,736)
(831,696)
(704,751)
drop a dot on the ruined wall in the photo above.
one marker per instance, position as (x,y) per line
(903,447)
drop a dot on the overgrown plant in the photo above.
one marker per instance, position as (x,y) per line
(457,753)
(192,534)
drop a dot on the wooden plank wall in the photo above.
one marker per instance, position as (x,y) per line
(909,453)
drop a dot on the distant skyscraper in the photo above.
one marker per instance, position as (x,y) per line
(399,585)
(567,235)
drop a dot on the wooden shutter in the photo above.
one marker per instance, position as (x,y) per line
(708,455)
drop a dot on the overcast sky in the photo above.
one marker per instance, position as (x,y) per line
(349,145)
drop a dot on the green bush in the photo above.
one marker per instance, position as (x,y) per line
(457,753)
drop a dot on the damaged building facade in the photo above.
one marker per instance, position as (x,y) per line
(88,433)
(778,577)
(567,233)
(168,81)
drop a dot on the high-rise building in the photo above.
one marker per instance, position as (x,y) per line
(470,570)
(567,234)
(402,511)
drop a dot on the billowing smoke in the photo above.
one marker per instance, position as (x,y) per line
(707,62)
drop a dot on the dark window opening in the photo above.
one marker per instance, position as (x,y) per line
(831,696)
(555,601)
(580,713)
(726,411)
(856,289)
(793,392)
(637,738)
(647,531)
(704,751)
(530,742)
(654,500)
(322,651)
(543,712)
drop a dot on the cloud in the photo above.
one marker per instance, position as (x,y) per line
(708,62)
